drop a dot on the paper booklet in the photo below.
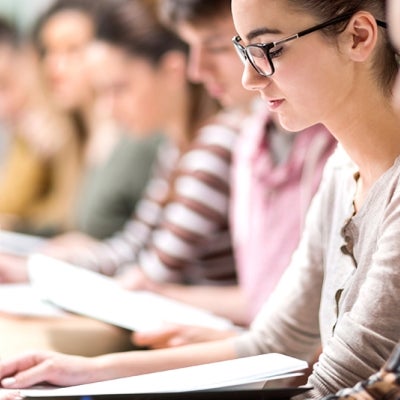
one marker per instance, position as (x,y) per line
(19,244)
(22,299)
(97,296)
(238,374)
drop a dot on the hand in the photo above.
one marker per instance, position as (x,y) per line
(13,269)
(63,245)
(46,367)
(175,335)
(135,279)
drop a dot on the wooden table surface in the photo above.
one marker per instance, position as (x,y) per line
(71,334)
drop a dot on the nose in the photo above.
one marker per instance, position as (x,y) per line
(196,65)
(252,80)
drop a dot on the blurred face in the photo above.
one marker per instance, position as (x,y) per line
(311,79)
(129,90)
(65,37)
(12,93)
(394,30)
(213,60)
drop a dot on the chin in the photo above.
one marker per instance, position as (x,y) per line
(293,124)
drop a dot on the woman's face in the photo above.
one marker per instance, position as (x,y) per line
(311,78)
(129,90)
(64,38)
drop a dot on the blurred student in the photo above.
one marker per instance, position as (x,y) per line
(180,231)
(341,287)
(115,168)
(36,187)
(273,171)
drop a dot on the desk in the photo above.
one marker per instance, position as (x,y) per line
(71,334)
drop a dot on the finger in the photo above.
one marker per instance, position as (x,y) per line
(39,373)
(16,364)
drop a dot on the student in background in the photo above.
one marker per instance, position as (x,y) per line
(104,201)
(39,170)
(180,230)
(341,287)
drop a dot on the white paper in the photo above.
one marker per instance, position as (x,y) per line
(19,244)
(242,372)
(88,293)
(22,299)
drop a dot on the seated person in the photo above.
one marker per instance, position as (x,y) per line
(39,172)
(342,285)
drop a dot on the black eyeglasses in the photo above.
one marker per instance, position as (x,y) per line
(260,55)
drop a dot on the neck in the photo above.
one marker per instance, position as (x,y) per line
(178,119)
(373,143)
(370,133)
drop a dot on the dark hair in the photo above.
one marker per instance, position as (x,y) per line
(192,11)
(134,26)
(8,33)
(385,63)
(93,9)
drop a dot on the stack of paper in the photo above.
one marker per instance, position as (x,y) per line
(88,293)
(22,299)
(19,244)
(233,374)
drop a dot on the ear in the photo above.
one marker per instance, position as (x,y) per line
(174,64)
(362,36)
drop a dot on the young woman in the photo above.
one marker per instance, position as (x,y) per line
(36,189)
(312,61)
(180,231)
(102,203)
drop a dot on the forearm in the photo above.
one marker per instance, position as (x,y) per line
(225,301)
(118,365)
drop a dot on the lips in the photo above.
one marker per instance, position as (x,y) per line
(273,104)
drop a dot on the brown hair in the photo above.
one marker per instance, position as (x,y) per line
(134,26)
(8,33)
(93,10)
(385,64)
(194,12)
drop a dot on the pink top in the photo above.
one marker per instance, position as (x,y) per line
(269,203)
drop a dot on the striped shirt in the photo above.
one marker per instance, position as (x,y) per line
(180,230)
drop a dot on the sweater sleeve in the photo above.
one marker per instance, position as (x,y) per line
(198,209)
(172,223)
(109,255)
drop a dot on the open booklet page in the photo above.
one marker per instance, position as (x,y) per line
(89,293)
(23,299)
(248,372)
(19,244)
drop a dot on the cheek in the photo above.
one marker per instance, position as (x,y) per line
(139,109)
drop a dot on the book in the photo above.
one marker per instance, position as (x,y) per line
(19,244)
(21,299)
(97,296)
(248,373)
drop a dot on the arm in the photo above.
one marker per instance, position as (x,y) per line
(65,370)
(193,237)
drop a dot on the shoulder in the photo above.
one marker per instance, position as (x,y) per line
(222,130)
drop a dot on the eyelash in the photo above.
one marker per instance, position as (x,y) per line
(276,53)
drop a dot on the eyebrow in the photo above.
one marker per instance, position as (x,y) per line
(261,31)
